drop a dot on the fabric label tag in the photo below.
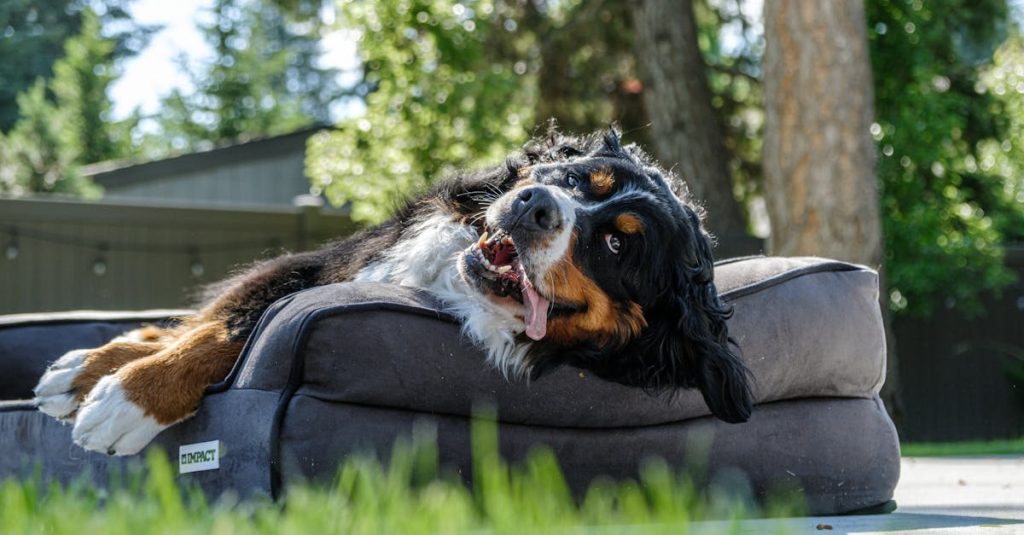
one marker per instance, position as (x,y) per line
(199,457)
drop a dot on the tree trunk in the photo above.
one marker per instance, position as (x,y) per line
(686,130)
(819,158)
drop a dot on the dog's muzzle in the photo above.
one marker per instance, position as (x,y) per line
(535,210)
(526,231)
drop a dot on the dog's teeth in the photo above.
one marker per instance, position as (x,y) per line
(504,269)
(483,239)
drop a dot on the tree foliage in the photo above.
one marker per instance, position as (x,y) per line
(520,63)
(1004,158)
(264,78)
(436,98)
(734,77)
(65,123)
(80,82)
(947,207)
(38,155)
(454,84)
(587,67)
(32,36)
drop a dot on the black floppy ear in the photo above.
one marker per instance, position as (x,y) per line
(695,348)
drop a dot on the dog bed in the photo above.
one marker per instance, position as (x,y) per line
(349,368)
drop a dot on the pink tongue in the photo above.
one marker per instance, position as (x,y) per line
(536,310)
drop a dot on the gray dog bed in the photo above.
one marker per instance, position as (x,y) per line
(351,367)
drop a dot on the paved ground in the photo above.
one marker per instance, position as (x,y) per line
(983,495)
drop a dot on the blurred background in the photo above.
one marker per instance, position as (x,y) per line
(147,147)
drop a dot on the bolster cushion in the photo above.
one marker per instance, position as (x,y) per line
(805,327)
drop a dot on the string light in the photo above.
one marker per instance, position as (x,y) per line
(196,265)
(99,266)
(11,252)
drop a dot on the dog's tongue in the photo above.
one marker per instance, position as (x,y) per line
(536,309)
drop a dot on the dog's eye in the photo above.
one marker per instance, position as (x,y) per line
(572,179)
(613,242)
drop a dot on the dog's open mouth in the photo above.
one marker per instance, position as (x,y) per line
(499,270)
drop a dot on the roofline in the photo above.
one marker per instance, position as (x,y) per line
(123,172)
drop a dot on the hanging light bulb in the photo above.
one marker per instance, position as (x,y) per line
(12,250)
(99,265)
(196,266)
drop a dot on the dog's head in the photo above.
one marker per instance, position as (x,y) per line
(609,270)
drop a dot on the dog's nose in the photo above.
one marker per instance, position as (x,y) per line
(537,210)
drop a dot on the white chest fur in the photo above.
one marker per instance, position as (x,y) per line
(426,256)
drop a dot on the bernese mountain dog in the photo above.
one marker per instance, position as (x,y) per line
(574,251)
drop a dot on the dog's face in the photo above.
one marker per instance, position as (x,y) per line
(610,271)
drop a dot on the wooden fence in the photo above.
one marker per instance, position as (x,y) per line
(66,255)
(963,379)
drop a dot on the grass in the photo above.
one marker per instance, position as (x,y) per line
(981,447)
(409,495)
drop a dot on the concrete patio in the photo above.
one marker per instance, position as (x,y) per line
(935,495)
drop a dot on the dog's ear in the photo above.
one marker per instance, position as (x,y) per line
(610,143)
(691,340)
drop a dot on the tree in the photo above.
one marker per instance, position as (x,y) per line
(55,135)
(435,100)
(38,155)
(513,65)
(1003,159)
(585,79)
(263,79)
(33,36)
(687,130)
(819,158)
(946,204)
(80,82)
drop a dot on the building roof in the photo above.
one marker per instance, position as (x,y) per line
(121,172)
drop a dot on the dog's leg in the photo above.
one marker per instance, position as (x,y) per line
(67,381)
(127,409)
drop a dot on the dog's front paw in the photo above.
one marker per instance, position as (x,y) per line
(109,423)
(54,393)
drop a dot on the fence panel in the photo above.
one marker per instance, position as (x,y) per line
(67,255)
(957,373)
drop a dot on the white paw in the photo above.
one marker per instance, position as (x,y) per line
(53,393)
(109,423)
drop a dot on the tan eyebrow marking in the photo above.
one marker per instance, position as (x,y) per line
(524,177)
(629,223)
(602,181)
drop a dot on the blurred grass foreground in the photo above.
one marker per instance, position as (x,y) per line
(408,495)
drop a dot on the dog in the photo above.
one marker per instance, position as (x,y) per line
(575,251)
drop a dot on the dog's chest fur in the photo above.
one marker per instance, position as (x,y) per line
(426,257)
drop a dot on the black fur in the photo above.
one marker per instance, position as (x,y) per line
(668,270)
(671,275)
